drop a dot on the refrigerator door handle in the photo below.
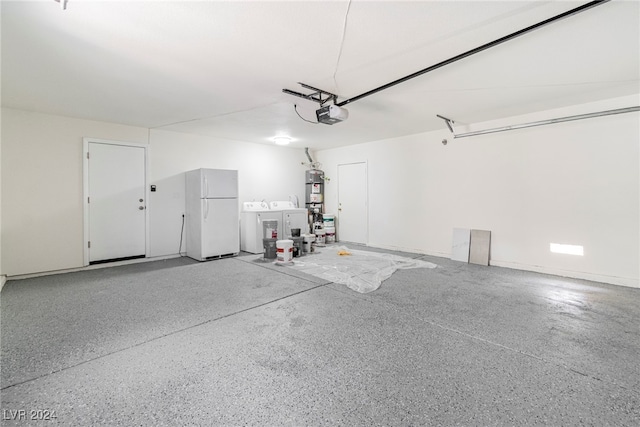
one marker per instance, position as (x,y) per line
(206,187)
(206,209)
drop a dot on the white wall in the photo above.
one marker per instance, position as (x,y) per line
(42,210)
(575,182)
(42,199)
(264,172)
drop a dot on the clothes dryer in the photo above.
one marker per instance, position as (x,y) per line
(292,217)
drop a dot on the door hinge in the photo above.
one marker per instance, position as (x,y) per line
(87,155)
(89,244)
(88,200)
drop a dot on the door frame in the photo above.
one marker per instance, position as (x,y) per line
(85,190)
(366,193)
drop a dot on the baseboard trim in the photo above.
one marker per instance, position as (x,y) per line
(411,250)
(601,278)
(91,267)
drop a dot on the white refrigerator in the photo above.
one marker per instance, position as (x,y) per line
(212,219)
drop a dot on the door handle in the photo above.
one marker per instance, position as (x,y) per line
(141,200)
(141,208)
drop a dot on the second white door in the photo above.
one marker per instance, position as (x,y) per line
(353,221)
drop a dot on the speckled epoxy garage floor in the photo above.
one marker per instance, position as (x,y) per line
(235,342)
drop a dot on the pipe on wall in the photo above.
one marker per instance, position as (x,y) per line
(306,151)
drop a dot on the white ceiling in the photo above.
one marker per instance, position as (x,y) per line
(218,68)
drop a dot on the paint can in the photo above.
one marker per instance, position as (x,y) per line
(284,250)
(320,237)
(315,198)
(330,234)
(270,229)
(307,240)
(297,246)
(269,246)
(329,220)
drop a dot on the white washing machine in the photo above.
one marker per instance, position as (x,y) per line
(292,217)
(251,217)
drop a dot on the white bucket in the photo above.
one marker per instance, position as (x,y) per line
(297,246)
(329,220)
(307,239)
(330,234)
(320,237)
(284,250)
(315,198)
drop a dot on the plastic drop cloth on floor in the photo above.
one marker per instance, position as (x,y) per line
(362,271)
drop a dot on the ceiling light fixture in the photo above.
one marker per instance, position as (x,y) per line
(282,140)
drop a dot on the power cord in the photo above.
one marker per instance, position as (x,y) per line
(295,107)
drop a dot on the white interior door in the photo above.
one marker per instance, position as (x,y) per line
(352,203)
(116,201)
